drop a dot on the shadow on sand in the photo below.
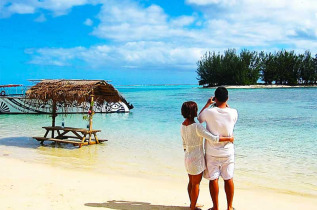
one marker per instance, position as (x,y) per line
(133,205)
(24,142)
(29,142)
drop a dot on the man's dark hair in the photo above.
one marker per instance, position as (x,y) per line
(189,110)
(221,93)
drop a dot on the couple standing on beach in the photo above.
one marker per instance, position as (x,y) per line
(218,158)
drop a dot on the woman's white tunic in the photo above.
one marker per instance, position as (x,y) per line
(192,136)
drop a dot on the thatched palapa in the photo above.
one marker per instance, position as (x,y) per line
(74,91)
(63,93)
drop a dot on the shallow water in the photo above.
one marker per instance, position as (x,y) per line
(275,136)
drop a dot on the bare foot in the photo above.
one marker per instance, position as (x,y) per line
(199,205)
(196,208)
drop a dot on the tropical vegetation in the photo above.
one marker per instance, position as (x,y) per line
(248,67)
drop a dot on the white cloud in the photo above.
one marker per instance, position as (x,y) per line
(144,37)
(183,21)
(261,24)
(54,56)
(126,20)
(61,7)
(211,2)
(21,8)
(58,7)
(131,54)
(202,2)
(88,22)
(40,18)
(242,24)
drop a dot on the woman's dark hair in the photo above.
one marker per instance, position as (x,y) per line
(189,110)
(221,94)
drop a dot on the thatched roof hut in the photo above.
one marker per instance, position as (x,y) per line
(65,92)
(74,91)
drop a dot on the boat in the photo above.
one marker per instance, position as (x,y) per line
(14,99)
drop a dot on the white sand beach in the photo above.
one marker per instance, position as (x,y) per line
(27,185)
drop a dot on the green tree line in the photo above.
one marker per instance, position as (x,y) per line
(282,67)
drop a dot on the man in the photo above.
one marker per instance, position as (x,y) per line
(220,121)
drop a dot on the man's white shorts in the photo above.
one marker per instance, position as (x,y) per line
(219,166)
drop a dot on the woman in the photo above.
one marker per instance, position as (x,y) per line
(192,134)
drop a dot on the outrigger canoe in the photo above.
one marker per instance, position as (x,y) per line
(13,100)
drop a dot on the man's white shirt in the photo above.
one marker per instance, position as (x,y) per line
(220,121)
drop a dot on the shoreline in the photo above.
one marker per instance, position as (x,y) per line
(243,180)
(258,86)
(262,86)
(41,186)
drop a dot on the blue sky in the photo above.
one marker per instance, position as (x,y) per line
(142,41)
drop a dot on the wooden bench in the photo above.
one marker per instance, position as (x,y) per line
(69,137)
(75,136)
(74,142)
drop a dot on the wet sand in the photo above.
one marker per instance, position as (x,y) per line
(27,185)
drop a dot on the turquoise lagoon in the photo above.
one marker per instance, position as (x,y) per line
(275,137)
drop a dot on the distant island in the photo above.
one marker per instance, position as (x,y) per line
(279,69)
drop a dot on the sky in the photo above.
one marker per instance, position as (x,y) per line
(142,41)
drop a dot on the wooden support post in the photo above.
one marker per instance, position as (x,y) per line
(53,116)
(91,108)
(96,138)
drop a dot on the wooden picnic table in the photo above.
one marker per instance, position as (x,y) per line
(75,136)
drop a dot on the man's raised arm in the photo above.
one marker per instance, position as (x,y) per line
(209,102)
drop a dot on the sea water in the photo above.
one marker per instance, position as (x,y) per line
(275,137)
